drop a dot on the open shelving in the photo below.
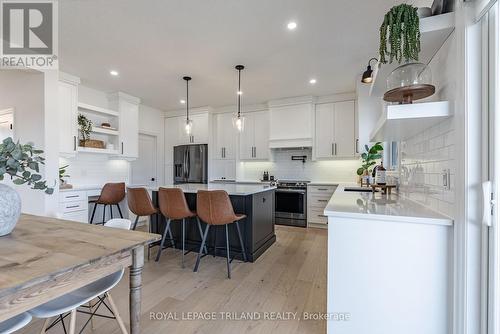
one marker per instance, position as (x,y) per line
(434,31)
(97,150)
(403,121)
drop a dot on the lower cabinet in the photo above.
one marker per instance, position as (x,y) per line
(74,206)
(223,169)
(318,197)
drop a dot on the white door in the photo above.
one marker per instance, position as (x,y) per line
(6,124)
(324,130)
(344,131)
(144,168)
(261,135)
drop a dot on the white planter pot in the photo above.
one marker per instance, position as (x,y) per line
(10,209)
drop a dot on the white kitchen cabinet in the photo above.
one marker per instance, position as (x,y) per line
(67,114)
(318,197)
(199,131)
(74,206)
(336,130)
(225,137)
(254,140)
(223,170)
(128,109)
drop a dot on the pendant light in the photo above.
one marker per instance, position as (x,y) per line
(238,120)
(188,127)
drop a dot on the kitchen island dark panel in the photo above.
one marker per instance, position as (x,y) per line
(257,228)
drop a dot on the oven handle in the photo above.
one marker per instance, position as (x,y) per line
(298,191)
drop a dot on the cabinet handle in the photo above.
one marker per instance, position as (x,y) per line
(357,145)
(332,150)
(73,196)
(322,189)
(74,143)
(122,147)
(222,152)
(335,148)
(255,151)
(72,206)
(323,216)
(322,200)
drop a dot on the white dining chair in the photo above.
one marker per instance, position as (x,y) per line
(99,290)
(14,324)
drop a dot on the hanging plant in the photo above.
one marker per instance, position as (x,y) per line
(400,34)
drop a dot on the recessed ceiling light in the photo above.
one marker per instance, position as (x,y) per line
(182,101)
(292,25)
(114,73)
(312,81)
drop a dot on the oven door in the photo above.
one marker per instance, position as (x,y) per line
(290,204)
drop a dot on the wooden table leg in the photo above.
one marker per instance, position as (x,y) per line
(135,289)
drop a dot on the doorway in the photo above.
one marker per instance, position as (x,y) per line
(6,124)
(144,169)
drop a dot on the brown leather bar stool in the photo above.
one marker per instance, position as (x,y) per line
(215,209)
(173,206)
(111,194)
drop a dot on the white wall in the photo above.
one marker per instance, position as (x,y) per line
(151,122)
(427,154)
(24,91)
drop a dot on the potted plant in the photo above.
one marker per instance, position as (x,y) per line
(22,164)
(62,176)
(85,125)
(368,159)
(400,34)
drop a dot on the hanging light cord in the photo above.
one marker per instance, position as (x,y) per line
(187,100)
(239,92)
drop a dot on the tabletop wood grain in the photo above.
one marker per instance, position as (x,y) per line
(44,258)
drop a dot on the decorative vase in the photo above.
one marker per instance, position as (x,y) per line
(10,209)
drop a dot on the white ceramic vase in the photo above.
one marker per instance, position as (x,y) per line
(10,209)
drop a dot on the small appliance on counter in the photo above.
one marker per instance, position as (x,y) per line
(265,176)
(291,203)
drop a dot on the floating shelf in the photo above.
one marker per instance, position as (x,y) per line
(97,110)
(434,31)
(104,131)
(97,150)
(403,121)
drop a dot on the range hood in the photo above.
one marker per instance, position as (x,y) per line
(291,123)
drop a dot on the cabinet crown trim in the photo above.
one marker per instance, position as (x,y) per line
(120,96)
(291,101)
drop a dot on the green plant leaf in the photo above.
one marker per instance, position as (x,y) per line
(19,181)
(360,171)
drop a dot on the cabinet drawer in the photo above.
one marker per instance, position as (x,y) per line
(315,215)
(73,206)
(72,196)
(77,216)
(318,200)
(322,189)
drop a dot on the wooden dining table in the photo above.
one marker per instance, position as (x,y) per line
(45,258)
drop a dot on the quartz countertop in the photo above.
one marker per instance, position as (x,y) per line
(230,188)
(83,187)
(376,206)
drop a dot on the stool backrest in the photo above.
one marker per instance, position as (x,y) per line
(112,193)
(214,207)
(120,223)
(173,204)
(139,202)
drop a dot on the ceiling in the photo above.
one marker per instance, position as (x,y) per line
(154,43)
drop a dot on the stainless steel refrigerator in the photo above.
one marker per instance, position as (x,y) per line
(191,164)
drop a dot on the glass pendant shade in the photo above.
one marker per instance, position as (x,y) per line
(188,127)
(409,75)
(239,123)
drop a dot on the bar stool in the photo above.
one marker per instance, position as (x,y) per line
(215,209)
(111,194)
(14,324)
(173,206)
(140,204)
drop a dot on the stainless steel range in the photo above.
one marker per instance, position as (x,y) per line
(291,203)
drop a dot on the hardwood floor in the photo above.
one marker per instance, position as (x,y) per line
(289,277)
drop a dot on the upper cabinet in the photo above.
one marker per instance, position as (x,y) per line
(68,111)
(225,137)
(199,133)
(175,133)
(336,130)
(254,140)
(291,123)
(128,110)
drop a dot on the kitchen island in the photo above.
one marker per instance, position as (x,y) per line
(253,200)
